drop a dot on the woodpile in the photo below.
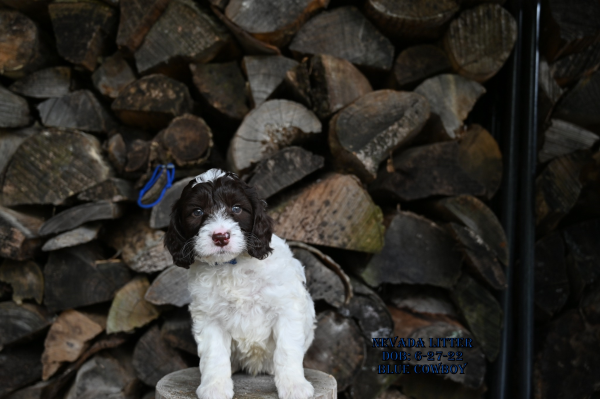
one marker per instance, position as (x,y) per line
(356,122)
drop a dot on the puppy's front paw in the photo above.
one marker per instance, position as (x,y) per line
(219,389)
(297,388)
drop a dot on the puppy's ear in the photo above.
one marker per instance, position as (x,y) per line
(175,240)
(262,230)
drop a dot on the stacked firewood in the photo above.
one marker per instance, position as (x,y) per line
(350,118)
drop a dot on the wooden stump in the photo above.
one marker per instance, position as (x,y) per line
(183,384)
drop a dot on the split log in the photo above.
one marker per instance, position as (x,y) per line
(335,83)
(170,288)
(363,134)
(23,49)
(39,390)
(474,214)
(472,165)
(418,63)
(479,258)
(426,253)
(129,309)
(138,157)
(265,73)
(14,110)
(563,138)
(283,169)
(113,75)
(573,67)
(567,29)
(137,17)
(117,152)
(342,356)
(19,239)
(19,323)
(420,300)
(153,358)
(160,215)
(52,166)
(267,129)
(549,92)
(322,283)
(113,189)
(109,374)
(345,33)
(551,279)
(68,338)
(10,142)
(557,189)
(335,212)
(296,85)
(78,236)
(25,278)
(177,331)
(152,101)
(577,105)
(415,21)
(77,42)
(74,277)
(583,260)
(19,367)
(222,86)
(142,248)
(451,97)
(47,83)
(184,32)
(78,215)
(480,40)
(482,313)
(273,23)
(187,141)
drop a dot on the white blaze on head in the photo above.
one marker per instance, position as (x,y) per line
(209,176)
(219,222)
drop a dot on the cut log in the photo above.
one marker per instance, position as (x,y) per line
(417,251)
(479,258)
(573,67)
(273,23)
(105,375)
(583,260)
(187,141)
(170,288)
(113,75)
(160,215)
(577,105)
(322,283)
(19,367)
(551,279)
(335,83)
(14,110)
(68,338)
(138,157)
(567,29)
(414,21)
(563,138)
(112,189)
(335,212)
(177,331)
(23,49)
(480,40)
(482,313)
(472,166)
(418,63)
(117,152)
(73,277)
(152,101)
(19,238)
(267,129)
(549,92)
(363,134)
(77,42)
(345,33)
(222,86)
(474,214)
(283,169)
(265,73)
(19,323)
(451,97)
(184,32)
(39,390)
(52,166)
(129,309)
(420,300)
(25,278)
(142,248)
(137,17)
(557,189)
(342,356)
(9,143)
(47,83)
(78,215)
(78,236)
(153,358)
(296,85)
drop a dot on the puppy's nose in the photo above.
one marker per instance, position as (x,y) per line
(220,239)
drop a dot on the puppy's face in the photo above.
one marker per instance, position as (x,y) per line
(217,218)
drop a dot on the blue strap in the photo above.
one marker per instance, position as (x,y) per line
(155,176)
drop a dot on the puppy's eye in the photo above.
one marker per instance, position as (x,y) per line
(236,209)
(197,212)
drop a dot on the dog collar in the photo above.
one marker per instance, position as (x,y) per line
(231,262)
